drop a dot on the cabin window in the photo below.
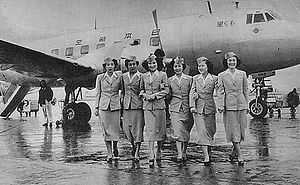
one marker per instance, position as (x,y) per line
(136,42)
(269,17)
(55,51)
(69,52)
(84,49)
(249,19)
(100,45)
(154,41)
(259,18)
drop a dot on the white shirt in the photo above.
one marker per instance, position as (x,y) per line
(206,79)
(110,77)
(152,75)
(132,77)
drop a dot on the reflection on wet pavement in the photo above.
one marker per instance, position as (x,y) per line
(36,155)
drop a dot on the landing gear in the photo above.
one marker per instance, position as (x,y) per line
(258,107)
(75,114)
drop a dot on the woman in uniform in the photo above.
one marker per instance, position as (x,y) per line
(203,106)
(233,99)
(108,86)
(154,88)
(181,118)
(133,115)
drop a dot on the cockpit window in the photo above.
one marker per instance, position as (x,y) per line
(259,18)
(269,17)
(249,18)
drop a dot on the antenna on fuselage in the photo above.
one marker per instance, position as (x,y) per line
(209,7)
(95,23)
(236,4)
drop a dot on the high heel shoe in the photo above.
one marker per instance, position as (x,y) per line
(232,158)
(151,163)
(207,163)
(109,159)
(241,162)
(179,160)
(116,154)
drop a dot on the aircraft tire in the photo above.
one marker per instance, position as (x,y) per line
(258,110)
(71,114)
(85,112)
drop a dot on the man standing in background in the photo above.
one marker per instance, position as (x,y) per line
(45,98)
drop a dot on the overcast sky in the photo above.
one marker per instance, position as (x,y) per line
(34,19)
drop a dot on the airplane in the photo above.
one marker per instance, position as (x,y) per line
(74,61)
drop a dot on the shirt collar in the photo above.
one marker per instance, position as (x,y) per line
(113,75)
(208,77)
(135,74)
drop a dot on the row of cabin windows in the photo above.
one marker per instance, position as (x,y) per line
(83,50)
(259,17)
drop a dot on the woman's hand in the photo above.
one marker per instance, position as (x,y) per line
(221,109)
(195,96)
(193,110)
(96,111)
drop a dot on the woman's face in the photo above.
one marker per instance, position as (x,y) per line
(132,67)
(178,68)
(202,67)
(110,66)
(232,62)
(152,65)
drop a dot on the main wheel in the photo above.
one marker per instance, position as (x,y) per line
(85,112)
(258,109)
(76,115)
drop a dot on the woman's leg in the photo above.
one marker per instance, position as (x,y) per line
(109,149)
(115,149)
(184,155)
(238,150)
(137,150)
(179,147)
(151,150)
(205,153)
(158,152)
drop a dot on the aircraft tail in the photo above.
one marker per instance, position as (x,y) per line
(12,97)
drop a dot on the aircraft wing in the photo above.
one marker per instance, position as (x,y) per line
(38,64)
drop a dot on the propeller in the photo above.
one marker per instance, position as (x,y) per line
(154,14)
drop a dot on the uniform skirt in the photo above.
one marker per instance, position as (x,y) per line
(205,127)
(235,123)
(110,121)
(133,125)
(155,125)
(182,124)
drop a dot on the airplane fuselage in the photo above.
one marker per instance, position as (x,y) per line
(262,46)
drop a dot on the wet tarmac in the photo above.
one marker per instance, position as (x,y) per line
(32,154)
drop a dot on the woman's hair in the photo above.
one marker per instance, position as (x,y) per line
(43,82)
(108,59)
(177,60)
(127,62)
(229,55)
(207,62)
(150,58)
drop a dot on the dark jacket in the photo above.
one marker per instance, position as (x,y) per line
(45,94)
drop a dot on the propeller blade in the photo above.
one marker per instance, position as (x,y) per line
(154,14)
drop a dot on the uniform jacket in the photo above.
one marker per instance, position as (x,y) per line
(45,94)
(157,86)
(203,90)
(179,93)
(131,91)
(108,91)
(233,90)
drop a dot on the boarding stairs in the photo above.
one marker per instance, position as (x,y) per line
(13,96)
